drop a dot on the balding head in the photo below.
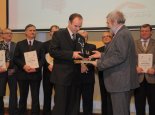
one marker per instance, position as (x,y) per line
(7,34)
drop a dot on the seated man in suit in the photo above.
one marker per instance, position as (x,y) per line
(47,69)
(106,106)
(11,76)
(87,78)
(29,76)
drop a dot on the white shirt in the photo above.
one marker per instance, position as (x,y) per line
(29,42)
(71,33)
(146,42)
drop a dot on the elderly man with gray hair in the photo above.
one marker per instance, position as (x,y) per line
(119,64)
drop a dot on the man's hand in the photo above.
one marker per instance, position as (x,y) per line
(140,70)
(96,55)
(84,68)
(28,69)
(50,67)
(76,55)
(150,71)
(94,63)
(2,70)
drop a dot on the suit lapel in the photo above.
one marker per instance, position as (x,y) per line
(139,44)
(149,45)
(68,37)
(26,45)
(34,45)
(11,50)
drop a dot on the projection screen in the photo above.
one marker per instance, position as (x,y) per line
(44,13)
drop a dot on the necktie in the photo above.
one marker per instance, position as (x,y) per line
(73,37)
(30,44)
(144,45)
(8,46)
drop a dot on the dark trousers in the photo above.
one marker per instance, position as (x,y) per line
(87,91)
(66,100)
(47,89)
(24,89)
(12,83)
(3,81)
(1,105)
(106,105)
(145,91)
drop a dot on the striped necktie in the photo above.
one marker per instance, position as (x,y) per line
(73,37)
(144,45)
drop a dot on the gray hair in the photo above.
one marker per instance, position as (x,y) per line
(116,16)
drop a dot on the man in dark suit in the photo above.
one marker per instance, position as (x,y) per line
(28,75)
(11,78)
(87,78)
(119,64)
(3,73)
(106,106)
(145,45)
(64,48)
(47,69)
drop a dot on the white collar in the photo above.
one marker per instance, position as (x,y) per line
(70,32)
(32,40)
(142,40)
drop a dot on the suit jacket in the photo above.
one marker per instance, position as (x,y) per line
(46,71)
(150,50)
(11,54)
(101,49)
(89,77)
(19,59)
(65,72)
(119,63)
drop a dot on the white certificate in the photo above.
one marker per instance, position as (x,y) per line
(2,59)
(31,59)
(145,61)
(49,59)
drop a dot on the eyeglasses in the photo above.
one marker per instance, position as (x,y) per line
(107,36)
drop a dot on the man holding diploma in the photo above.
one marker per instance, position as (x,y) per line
(29,59)
(4,63)
(145,46)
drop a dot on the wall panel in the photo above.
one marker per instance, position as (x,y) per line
(2,13)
